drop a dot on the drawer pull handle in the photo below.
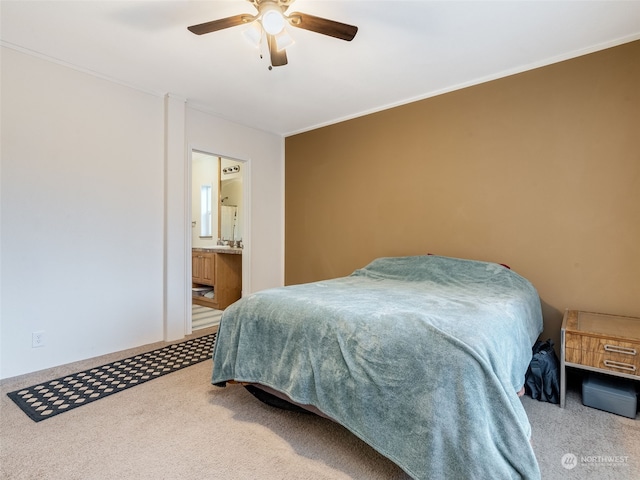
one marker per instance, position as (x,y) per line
(618,349)
(621,366)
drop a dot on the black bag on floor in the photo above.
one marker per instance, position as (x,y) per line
(542,380)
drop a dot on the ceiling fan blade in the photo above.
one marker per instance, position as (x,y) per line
(323,26)
(278,58)
(221,24)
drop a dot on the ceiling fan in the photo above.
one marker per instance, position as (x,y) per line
(271,19)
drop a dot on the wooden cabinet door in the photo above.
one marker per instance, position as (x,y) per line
(197,267)
(203,268)
(209,268)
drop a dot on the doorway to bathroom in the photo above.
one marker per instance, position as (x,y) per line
(217,230)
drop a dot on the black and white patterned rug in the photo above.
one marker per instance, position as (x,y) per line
(47,399)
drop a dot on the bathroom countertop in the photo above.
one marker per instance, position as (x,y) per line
(218,249)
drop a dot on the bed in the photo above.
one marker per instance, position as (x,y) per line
(421,357)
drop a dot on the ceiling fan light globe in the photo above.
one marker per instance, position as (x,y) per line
(283,40)
(253,34)
(272,21)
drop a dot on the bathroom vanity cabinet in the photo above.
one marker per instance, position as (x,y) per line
(220,269)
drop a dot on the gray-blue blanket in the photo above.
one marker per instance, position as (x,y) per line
(421,357)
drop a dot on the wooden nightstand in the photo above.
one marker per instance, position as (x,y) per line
(600,343)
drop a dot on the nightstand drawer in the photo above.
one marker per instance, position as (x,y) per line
(573,355)
(613,355)
(604,345)
(613,362)
(573,341)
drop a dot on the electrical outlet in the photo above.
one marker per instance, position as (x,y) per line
(37,339)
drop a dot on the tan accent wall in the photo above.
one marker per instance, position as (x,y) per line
(539,170)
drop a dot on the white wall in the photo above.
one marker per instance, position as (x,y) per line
(82,214)
(83,221)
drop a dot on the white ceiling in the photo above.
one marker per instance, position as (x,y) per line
(404,50)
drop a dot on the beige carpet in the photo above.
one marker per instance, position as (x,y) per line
(181,427)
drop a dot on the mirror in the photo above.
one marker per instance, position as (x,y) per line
(230,218)
(216,202)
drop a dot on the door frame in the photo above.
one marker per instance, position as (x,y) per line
(245,172)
